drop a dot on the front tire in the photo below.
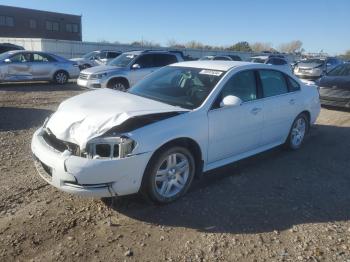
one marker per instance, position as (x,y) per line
(118,84)
(169,174)
(298,132)
(61,77)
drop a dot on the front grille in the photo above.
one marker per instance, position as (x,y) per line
(60,145)
(83,76)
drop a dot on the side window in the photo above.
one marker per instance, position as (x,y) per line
(112,54)
(101,55)
(145,61)
(292,84)
(242,85)
(270,61)
(21,58)
(273,83)
(40,58)
(164,59)
(280,61)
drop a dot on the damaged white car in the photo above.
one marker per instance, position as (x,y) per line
(179,121)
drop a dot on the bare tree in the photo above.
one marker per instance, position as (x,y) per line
(194,44)
(174,44)
(291,47)
(260,46)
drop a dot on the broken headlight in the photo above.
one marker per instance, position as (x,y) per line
(110,147)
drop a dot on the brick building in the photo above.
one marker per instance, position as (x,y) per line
(28,23)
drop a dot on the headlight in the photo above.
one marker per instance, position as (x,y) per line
(110,147)
(97,76)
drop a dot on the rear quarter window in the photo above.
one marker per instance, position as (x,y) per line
(292,84)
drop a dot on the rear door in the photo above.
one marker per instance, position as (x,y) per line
(280,105)
(42,66)
(18,69)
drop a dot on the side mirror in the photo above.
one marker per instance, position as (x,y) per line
(136,66)
(230,101)
(7,60)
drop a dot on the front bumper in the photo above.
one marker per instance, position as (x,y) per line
(91,83)
(88,177)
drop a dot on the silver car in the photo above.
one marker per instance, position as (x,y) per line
(95,58)
(19,66)
(314,68)
(127,69)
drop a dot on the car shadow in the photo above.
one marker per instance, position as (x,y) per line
(39,87)
(14,118)
(337,108)
(270,191)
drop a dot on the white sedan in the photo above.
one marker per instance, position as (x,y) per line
(181,120)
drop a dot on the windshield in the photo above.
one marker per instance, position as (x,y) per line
(312,61)
(91,54)
(178,86)
(123,60)
(342,70)
(3,56)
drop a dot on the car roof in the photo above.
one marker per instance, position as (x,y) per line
(214,64)
(261,56)
(138,52)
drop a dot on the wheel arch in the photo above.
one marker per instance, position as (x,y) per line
(119,77)
(308,115)
(60,70)
(186,142)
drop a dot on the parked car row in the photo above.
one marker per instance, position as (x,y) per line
(117,70)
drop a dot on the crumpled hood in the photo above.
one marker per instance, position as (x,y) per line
(89,115)
(101,69)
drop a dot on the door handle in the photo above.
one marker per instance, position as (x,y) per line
(255,110)
(292,101)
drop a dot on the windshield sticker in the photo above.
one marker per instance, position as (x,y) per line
(210,72)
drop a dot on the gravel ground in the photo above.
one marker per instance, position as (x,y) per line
(277,206)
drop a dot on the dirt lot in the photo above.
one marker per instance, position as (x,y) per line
(277,206)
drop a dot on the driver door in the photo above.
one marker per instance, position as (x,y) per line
(237,129)
(18,69)
(146,65)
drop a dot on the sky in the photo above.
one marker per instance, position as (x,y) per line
(319,24)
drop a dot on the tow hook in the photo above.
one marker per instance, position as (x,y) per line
(110,207)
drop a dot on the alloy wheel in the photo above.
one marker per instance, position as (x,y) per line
(298,132)
(172,175)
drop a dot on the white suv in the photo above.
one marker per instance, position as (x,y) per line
(127,69)
(181,120)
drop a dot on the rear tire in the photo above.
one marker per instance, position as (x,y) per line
(169,174)
(118,84)
(297,133)
(61,77)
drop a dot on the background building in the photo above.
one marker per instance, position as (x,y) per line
(28,23)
